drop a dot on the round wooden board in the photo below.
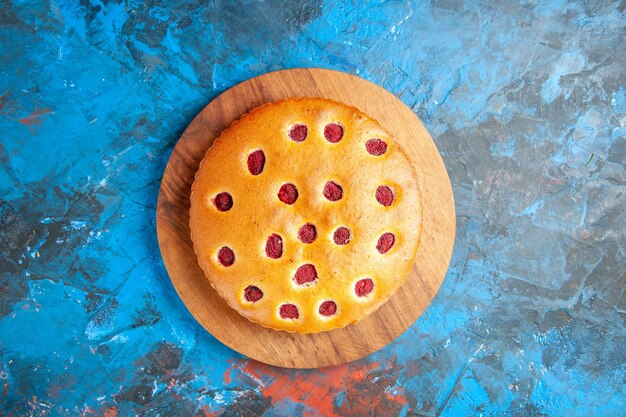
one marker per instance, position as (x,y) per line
(338,346)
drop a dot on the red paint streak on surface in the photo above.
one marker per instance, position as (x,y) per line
(62,384)
(377,395)
(364,385)
(227,377)
(33,118)
(55,391)
(5,393)
(111,412)
(317,390)
(3,99)
(208,413)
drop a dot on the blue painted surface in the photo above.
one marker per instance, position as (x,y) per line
(526,102)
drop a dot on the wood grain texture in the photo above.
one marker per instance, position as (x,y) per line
(337,346)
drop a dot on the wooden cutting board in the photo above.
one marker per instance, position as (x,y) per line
(294,350)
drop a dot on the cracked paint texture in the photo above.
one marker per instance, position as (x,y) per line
(525,101)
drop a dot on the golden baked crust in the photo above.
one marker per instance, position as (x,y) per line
(248,232)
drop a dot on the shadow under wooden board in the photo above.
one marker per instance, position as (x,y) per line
(338,346)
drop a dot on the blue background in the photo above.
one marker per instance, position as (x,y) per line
(525,101)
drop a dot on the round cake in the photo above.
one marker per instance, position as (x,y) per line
(305,215)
